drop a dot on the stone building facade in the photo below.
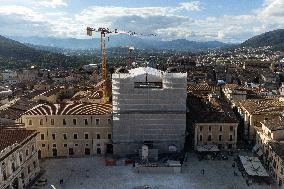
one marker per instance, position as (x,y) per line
(72,129)
(270,147)
(19,163)
(219,131)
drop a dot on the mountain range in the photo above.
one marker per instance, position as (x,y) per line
(48,51)
(14,54)
(120,40)
(273,38)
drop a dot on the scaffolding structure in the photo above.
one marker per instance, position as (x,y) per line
(149,107)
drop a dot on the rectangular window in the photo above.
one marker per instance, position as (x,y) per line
(53,136)
(64,121)
(43,145)
(109,136)
(21,158)
(54,145)
(200,137)
(97,121)
(98,136)
(231,128)
(209,137)
(41,122)
(65,145)
(41,136)
(221,128)
(30,122)
(65,136)
(220,137)
(13,167)
(209,128)
(86,121)
(74,121)
(231,137)
(76,145)
(148,84)
(200,128)
(86,136)
(52,122)
(75,136)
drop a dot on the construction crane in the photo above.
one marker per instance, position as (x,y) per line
(104,33)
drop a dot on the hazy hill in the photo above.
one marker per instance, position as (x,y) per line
(273,38)
(16,54)
(120,40)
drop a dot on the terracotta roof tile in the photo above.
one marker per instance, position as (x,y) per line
(258,106)
(10,136)
(201,87)
(274,124)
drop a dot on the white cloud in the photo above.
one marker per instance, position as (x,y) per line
(221,35)
(167,22)
(50,3)
(24,12)
(190,6)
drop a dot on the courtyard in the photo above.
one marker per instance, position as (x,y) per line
(91,173)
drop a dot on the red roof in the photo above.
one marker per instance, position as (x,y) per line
(10,136)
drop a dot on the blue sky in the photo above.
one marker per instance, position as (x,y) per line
(203,20)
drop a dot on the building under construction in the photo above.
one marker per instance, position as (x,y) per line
(149,108)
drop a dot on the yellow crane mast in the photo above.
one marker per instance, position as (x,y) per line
(103,34)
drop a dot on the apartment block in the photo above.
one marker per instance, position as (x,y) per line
(215,129)
(270,147)
(19,163)
(71,129)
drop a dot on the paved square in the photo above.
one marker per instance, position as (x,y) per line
(91,173)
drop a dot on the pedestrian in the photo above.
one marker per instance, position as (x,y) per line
(202,171)
(61,181)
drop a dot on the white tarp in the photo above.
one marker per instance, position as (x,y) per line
(253,166)
(208,148)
